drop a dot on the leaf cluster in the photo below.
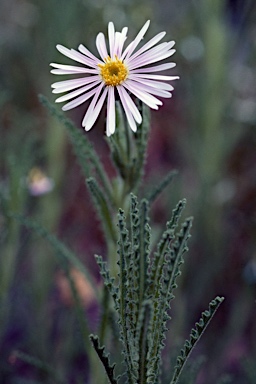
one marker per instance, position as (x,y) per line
(144,290)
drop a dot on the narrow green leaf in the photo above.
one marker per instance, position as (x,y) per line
(175,259)
(104,358)
(133,276)
(163,294)
(191,371)
(153,195)
(107,278)
(124,251)
(144,249)
(176,214)
(157,263)
(195,335)
(143,335)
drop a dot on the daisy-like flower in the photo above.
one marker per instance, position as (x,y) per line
(118,73)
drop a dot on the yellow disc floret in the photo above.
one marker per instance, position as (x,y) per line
(113,72)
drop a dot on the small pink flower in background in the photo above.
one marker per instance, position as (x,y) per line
(126,70)
(38,183)
(83,288)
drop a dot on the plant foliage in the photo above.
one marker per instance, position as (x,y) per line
(144,289)
(104,358)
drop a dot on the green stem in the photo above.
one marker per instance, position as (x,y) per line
(105,314)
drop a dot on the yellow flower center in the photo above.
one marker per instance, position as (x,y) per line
(113,72)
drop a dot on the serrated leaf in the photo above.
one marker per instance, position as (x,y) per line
(157,262)
(107,278)
(124,252)
(144,249)
(163,294)
(104,358)
(189,344)
(143,335)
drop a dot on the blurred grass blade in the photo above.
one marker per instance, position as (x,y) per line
(39,364)
(84,150)
(65,255)
(153,195)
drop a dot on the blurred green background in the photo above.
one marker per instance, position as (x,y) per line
(206,131)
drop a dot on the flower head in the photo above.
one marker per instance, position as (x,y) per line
(118,73)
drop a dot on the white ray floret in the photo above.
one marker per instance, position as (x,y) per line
(118,74)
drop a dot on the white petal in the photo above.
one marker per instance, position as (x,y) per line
(144,96)
(86,52)
(127,111)
(69,69)
(158,92)
(101,46)
(63,72)
(121,41)
(74,55)
(124,31)
(68,85)
(117,43)
(79,100)
(157,68)
(153,90)
(82,58)
(111,38)
(92,104)
(96,111)
(152,83)
(130,104)
(163,54)
(79,91)
(159,49)
(111,112)
(150,57)
(151,60)
(131,47)
(156,77)
(148,45)
(125,51)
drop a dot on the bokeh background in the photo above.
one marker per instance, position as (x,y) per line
(207,131)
